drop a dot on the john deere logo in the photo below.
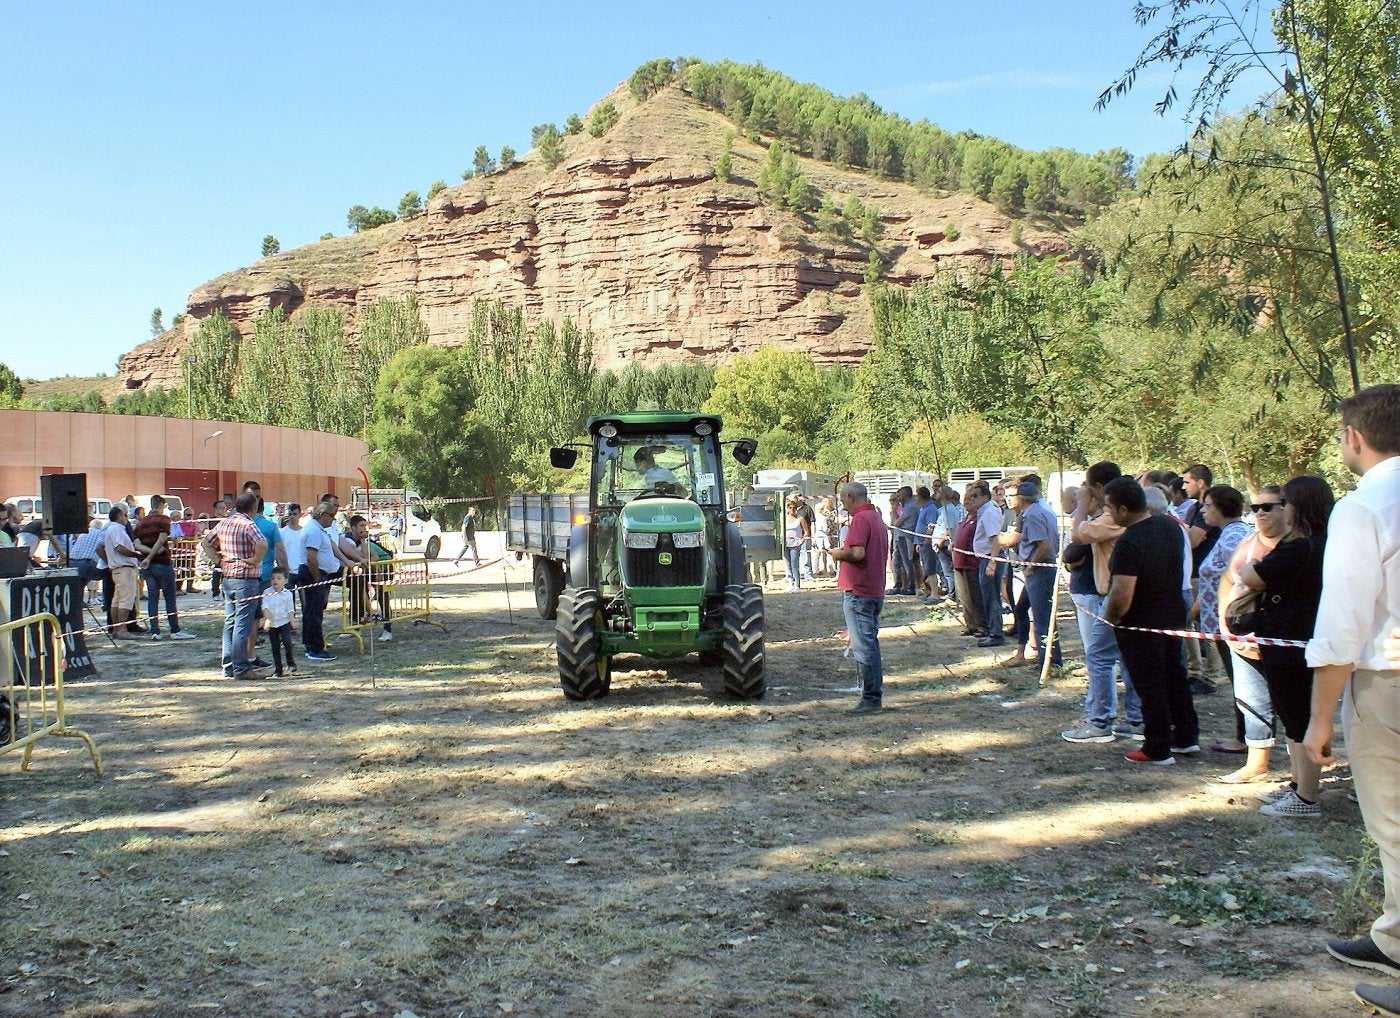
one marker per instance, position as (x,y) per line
(664,558)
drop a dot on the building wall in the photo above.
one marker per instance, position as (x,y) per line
(125,455)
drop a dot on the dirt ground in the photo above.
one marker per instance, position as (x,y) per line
(435,831)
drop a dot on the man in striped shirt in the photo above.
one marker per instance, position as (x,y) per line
(237,547)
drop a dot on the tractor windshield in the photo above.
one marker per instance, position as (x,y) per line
(681,465)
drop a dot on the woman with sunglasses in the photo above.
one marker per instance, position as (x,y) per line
(1290,578)
(1221,506)
(1253,707)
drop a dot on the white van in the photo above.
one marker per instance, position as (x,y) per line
(31,507)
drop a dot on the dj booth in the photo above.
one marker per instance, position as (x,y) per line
(58,592)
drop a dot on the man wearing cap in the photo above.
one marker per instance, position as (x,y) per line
(1039,541)
(321,567)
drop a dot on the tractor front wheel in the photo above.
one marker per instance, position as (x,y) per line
(743,641)
(585,672)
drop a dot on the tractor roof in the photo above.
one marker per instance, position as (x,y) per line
(653,420)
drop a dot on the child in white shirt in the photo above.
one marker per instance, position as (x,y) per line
(279,620)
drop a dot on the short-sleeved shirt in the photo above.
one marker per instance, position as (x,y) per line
(1221,551)
(237,536)
(294,540)
(149,531)
(1038,524)
(318,538)
(1152,551)
(114,537)
(1292,575)
(984,538)
(928,514)
(1197,518)
(273,537)
(865,578)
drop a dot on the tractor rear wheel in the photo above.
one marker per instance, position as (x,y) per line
(585,672)
(743,641)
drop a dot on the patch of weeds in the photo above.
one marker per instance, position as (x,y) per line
(958,811)
(876,1003)
(1190,900)
(1360,898)
(946,836)
(902,959)
(995,876)
(1082,997)
(855,870)
(1245,964)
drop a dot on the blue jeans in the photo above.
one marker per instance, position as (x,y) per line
(1100,656)
(1033,606)
(160,579)
(991,598)
(241,604)
(1253,701)
(945,566)
(794,566)
(863,628)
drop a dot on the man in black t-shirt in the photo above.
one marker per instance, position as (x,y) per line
(1145,591)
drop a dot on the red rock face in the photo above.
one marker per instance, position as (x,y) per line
(654,255)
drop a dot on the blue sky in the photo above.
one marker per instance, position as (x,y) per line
(150,146)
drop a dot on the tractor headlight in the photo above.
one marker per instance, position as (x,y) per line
(641,540)
(690,540)
(608,430)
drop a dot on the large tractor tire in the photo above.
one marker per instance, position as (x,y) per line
(434,546)
(549,582)
(743,641)
(585,673)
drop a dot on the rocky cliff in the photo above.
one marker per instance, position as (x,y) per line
(633,237)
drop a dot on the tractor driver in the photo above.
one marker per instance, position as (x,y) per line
(645,461)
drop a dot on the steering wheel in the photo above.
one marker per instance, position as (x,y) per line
(658,489)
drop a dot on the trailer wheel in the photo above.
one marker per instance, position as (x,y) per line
(434,546)
(743,641)
(585,672)
(549,581)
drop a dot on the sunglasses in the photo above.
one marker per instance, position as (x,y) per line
(1266,507)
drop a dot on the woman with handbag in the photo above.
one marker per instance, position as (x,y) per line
(1289,579)
(1252,700)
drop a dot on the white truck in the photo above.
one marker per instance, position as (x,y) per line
(420,534)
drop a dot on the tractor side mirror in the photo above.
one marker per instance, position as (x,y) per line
(745,450)
(563,458)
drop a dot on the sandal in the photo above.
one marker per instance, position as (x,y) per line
(1218,746)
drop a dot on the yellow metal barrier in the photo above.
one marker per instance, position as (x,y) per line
(31,654)
(402,592)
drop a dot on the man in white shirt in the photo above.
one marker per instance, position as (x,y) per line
(294,540)
(122,558)
(1360,608)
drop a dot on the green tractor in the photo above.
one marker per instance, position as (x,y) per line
(656,565)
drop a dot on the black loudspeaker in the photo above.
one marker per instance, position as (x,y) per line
(65,502)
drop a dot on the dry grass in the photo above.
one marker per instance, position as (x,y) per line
(443,834)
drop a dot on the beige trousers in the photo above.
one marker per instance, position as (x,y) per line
(1371,725)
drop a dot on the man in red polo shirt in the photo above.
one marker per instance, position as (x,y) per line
(861,577)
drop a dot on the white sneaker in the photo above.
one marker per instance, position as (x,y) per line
(1291,805)
(183,634)
(386,637)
